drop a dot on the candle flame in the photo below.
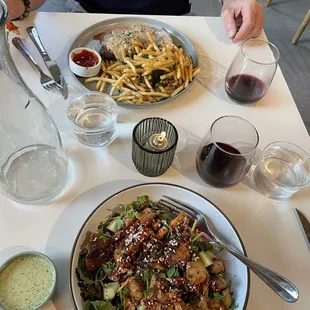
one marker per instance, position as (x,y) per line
(163,133)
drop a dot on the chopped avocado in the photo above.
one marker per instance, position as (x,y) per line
(140,307)
(205,258)
(109,290)
(115,224)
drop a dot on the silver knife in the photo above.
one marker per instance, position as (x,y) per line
(50,64)
(305,225)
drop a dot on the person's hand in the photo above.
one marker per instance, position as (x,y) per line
(251,15)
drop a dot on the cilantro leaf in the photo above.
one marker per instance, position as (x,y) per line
(234,305)
(109,268)
(163,215)
(202,246)
(81,271)
(143,199)
(129,212)
(229,284)
(83,278)
(145,55)
(124,292)
(98,305)
(146,276)
(148,291)
(217,297)
(172,272)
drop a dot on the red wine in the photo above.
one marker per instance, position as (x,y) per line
(219,166)
(245,88)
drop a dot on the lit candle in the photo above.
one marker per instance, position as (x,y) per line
(154,141)
(158,141)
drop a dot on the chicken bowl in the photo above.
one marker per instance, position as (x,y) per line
(143,257)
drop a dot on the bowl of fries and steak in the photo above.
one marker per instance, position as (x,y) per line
(145,257)
(144,62)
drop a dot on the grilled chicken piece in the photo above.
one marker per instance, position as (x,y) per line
(129,304)
(158,266)
(196,272)
(147,216)
(197,305)
(136,289)
(161,297)
(180,284)
(135,241)
(181,255)
(94,250)
(117,257)
(218,285)
(218,266)
(160,235)
(227,298)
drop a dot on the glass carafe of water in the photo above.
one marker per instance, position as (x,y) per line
(33,166)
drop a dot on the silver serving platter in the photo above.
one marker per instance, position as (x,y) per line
(86,39)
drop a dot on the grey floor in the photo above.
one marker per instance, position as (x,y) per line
(282,18)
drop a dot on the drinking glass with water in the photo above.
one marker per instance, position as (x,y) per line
(283,169)
(94,117)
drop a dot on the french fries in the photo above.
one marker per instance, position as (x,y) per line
(153,74)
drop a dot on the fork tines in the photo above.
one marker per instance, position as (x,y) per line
(51,85)
(176,205)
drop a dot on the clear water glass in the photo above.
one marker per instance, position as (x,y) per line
(33,165)
(283,169)
(93,116)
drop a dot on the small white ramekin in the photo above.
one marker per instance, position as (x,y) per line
(84,71)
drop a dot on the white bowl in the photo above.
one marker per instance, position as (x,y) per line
(84,71)
(236,270)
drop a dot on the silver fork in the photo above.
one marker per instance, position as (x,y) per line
(280,285)
(47,82)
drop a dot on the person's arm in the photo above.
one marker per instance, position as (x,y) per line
(17,7)
(251,14)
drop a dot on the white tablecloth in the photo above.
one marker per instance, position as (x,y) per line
(269,229)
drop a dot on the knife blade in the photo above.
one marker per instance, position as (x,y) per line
(50,64)
(305,225)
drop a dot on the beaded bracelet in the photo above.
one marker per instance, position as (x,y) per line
(27,10)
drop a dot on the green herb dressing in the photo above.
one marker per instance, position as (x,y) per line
(26,283)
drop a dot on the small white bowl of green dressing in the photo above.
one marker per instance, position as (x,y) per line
(27,281)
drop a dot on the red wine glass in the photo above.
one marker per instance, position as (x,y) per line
(226,152)
(252,70)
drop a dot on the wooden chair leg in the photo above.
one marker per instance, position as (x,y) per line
(301,28)
(268,2)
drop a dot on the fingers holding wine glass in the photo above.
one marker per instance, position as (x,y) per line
(228,18)
(251,14)
(259,22)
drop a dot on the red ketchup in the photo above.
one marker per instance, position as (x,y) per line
(85,58)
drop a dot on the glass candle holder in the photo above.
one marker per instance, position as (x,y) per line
(154,141)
